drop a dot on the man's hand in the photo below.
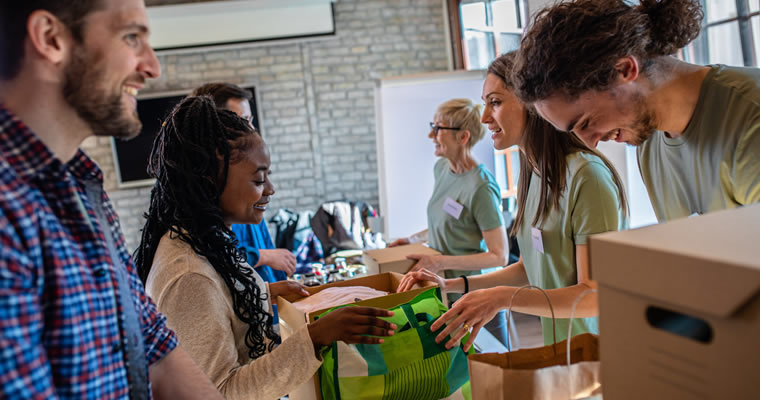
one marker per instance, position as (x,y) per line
(279,259)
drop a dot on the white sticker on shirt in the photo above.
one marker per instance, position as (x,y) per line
(538,242)
(452,207)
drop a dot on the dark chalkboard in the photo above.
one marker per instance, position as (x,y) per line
(131,156)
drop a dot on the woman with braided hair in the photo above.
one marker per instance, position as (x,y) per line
(212,170)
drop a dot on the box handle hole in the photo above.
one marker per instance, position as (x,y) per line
(680,324)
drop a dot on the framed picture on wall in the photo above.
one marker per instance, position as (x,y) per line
(131,156)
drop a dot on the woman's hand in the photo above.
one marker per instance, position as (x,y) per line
(412,278)
(350,324)
(284,288)
(428,262)
(475,309)
(399,242)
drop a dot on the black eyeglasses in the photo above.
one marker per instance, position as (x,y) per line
(435,128)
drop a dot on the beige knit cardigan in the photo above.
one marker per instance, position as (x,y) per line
(198,306)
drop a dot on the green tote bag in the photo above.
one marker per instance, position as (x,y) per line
(408,365)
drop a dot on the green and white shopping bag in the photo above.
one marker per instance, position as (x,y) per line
(408,365)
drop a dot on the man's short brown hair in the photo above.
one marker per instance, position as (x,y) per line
(13,19)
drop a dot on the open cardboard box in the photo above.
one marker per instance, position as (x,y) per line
(393,259)
(291,318)
(698,276)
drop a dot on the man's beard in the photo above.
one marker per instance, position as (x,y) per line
(102,111)
(645,123)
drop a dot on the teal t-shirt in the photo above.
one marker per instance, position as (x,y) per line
(480,197)
(715,163)
(589,205)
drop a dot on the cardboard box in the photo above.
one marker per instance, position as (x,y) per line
(393,259)
(699,276)
(291,318)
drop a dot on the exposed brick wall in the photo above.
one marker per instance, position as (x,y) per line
(316,100)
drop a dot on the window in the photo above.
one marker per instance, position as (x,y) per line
(131,156)
(481,30)
(730,34)
(484,29)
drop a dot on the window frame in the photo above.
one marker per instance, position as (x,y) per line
(698,51)
(457,29)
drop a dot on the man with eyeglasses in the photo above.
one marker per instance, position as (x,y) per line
(272,264)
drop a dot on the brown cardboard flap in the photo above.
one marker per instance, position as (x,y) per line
(384,302)
(387,282)
(289,315)
(399,253)
(707,264)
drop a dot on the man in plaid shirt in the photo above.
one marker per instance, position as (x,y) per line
(74,318)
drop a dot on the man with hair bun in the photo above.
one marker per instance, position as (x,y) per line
(604,70)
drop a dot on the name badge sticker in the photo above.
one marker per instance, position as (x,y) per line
(538,242)
(452,207)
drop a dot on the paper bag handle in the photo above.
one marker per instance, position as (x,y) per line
(570,322)
(509,313)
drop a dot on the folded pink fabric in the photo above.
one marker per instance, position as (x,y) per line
(336,296)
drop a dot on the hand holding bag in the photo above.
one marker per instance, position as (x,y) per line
(408,365)
(564,370)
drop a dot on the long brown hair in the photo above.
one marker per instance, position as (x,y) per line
(544,149)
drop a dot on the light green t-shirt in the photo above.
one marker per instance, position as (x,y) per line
(715,164)
(480,197)
(589,205)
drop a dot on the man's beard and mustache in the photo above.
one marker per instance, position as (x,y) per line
(645,123)
(104,112)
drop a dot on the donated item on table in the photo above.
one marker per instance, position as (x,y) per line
(542,373)
(408,365)
(293,232)
(291,318)
(680,307)
(336,296)
(393,259)
(341,225)
(351,256)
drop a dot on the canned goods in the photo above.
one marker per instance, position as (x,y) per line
(311,279)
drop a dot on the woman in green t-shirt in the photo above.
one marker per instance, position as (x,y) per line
(566,193)
(464,220)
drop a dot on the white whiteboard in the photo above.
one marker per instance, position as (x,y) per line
(404,109)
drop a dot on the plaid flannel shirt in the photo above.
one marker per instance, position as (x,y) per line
(61,321)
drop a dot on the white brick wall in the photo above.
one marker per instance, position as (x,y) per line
(316,100)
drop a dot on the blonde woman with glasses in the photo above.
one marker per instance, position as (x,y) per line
(464,217)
